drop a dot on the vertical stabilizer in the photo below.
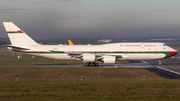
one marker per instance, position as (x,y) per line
(70,42)
(17,36)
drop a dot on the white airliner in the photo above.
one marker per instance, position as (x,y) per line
(89,54)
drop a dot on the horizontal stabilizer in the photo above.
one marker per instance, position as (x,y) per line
(17,48)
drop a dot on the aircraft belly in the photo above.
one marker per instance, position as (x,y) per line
(57,56)
(145,56)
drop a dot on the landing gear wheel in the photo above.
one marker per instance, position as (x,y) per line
(159,63)
(89,64)
(93,64)
(97,64)
(86,64)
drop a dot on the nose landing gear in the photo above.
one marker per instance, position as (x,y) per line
(160,62)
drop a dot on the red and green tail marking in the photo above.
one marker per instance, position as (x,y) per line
(15,32)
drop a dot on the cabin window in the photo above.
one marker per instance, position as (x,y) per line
(54,49)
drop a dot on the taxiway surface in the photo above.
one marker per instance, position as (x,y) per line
(169,69)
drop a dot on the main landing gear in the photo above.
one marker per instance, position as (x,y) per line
(91,64)
(160,62)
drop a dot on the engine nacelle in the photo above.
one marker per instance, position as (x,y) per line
(89,58)
(109,59)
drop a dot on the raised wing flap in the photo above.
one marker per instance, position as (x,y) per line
(119,56)
(72,54)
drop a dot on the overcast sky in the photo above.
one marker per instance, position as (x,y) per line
(42,19)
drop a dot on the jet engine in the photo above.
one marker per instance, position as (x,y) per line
(89,58)
(109,59)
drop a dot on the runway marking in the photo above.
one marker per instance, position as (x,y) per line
(168,70)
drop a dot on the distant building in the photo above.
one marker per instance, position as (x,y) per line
(164,39)
(104,41)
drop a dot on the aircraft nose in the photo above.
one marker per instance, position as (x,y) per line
(175,53)
(172,53)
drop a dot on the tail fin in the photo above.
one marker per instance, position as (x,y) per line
(70,42)
(17,36)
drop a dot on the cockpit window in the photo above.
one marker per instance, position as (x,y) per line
(164,44)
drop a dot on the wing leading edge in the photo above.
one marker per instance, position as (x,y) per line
(80,55)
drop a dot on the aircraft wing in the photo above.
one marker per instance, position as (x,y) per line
(77,55)
(68,52)
(81,54)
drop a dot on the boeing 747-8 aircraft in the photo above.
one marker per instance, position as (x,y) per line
(89,54)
